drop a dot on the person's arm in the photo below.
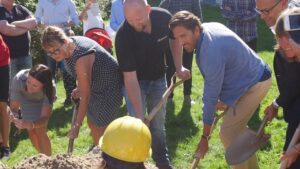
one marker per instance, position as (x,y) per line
(83,15)
(291,156)
(84,72)
(27,24)
(40,123)
(10,30)
(39,12)
(73,15)
(134,93)
(176,50)
(214,76)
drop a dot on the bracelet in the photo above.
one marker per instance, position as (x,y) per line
(205,137)
(275,104)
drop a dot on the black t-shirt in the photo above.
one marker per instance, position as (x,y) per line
(18,45)
(143,52)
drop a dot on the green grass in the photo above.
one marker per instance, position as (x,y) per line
(183,124)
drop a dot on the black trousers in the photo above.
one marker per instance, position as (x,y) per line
(187,60)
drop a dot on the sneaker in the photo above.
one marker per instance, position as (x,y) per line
(5,153)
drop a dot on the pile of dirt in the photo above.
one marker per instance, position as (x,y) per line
(3,166)
(92,160)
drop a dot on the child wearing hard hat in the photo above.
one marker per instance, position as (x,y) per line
(125,144)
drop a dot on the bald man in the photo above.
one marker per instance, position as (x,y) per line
(286,73)
(141,43)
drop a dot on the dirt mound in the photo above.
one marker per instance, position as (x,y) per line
(65,161)
(3,166)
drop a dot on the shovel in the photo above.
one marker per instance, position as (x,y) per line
(164,98)
(75,112)
(294,141)
(246,144)
(216,119)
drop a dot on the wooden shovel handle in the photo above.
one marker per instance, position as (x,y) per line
(195,162)
(293,142)
(74,116)
(216,119)
(262,126)
(164,98)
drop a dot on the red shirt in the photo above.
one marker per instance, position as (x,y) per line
(4,53)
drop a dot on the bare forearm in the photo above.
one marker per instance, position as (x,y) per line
(134,94)
(176,50)
(11,30)
(27,24)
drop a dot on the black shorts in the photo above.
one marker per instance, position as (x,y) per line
(4,83)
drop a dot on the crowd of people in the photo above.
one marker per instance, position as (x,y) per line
(151,44)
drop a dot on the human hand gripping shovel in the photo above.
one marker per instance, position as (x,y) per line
(295,139)
(246,144)
(196,156)
(75,103)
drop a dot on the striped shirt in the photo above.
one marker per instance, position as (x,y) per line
(241,17)
(174,6)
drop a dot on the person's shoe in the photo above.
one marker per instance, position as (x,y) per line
(188,99)
(67,102)
(5,151)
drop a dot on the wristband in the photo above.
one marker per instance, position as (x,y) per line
(274,103)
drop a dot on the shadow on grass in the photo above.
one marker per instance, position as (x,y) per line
(179,127)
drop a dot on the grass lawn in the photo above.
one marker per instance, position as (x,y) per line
(183,122)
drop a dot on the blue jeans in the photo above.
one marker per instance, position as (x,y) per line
(152,92)
(18,64)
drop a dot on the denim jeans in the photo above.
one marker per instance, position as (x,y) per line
(152,92)
(18,64)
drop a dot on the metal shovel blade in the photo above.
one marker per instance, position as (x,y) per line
(244,146)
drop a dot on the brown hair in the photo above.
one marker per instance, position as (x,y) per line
(52,35)
(185,19)
(43,74)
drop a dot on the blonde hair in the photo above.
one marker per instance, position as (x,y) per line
(52,35)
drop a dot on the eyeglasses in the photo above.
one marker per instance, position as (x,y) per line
(55,52)
(268,10)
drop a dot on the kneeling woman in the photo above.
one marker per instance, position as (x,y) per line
(98,76)
(33,92)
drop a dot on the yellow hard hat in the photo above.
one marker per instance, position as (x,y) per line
(128,139)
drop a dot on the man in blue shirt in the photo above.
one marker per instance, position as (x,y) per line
(117,14)
(235,78)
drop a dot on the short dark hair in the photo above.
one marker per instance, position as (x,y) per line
(185,19)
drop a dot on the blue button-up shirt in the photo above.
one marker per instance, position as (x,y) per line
(59,13)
